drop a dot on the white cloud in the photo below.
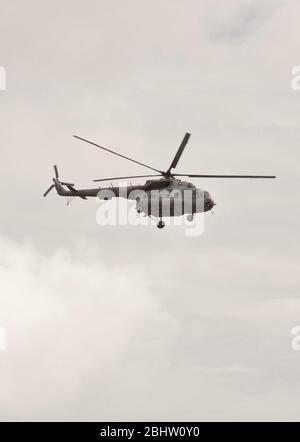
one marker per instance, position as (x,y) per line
(68,325)
(85,341)
(236,20)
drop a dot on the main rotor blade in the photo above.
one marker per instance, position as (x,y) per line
(124,177)
(179,151)
(223,176)
(49,190)
(118,154)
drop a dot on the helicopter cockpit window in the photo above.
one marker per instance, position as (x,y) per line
(173,194)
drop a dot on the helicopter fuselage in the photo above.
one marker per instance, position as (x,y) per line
(160,198)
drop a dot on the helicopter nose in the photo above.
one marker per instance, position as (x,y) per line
(211,203)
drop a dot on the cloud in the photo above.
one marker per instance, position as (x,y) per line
(235,21)
(90,341)
(68,324)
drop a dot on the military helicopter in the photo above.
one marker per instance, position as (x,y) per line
(158,198)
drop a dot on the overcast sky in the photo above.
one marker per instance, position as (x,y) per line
(132,322)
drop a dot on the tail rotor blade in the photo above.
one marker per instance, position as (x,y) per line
(49,190)
(56,172)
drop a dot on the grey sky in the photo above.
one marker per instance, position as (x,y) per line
(133,322)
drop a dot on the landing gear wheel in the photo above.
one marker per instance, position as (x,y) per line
(190,218)
(160,224)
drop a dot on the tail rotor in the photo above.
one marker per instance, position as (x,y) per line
(48,190)
(57,182)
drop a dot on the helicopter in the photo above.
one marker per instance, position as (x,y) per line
(158,198)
